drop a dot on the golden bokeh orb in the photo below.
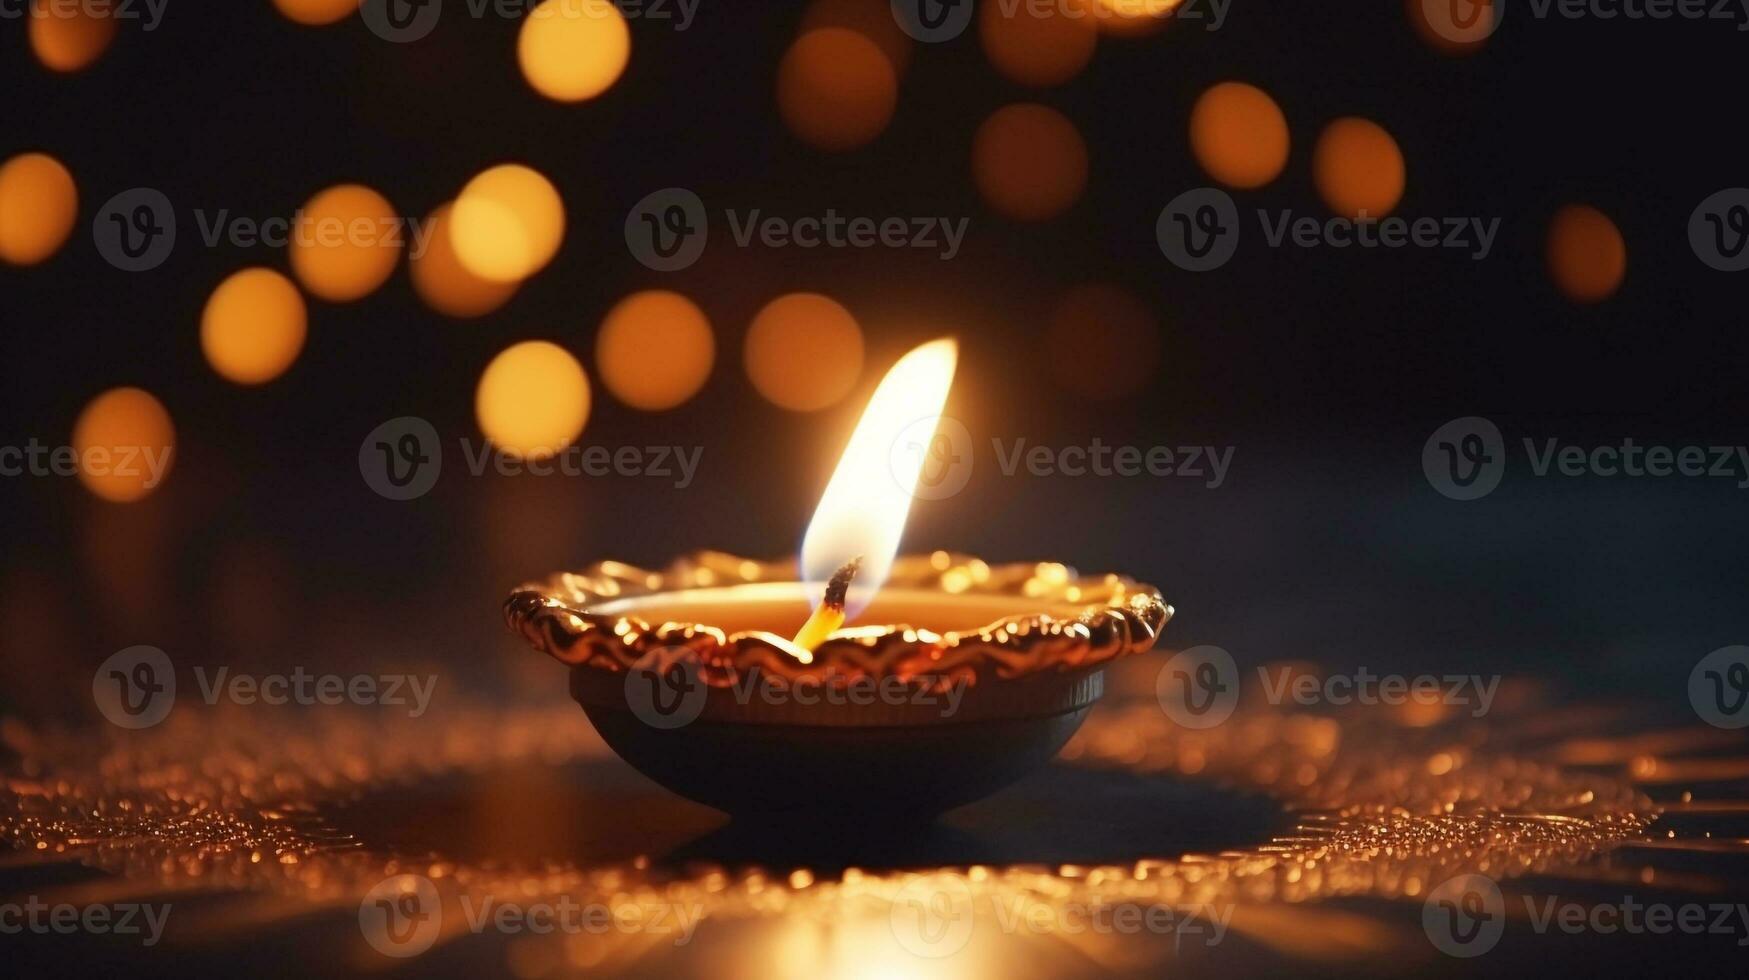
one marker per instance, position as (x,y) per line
(1239,135)
(803,352)
(253,326)
(1038,44)
(1102,341)
(38,205)
(872,19)
(835,89)
(316,13)
(345,243)
(1358,168)
(507,223)
(533,399)
(1029,162)
(1587,256)
(69,37)
(125,444)
(654,350)
(440,278)
(573,50)
(1133,18)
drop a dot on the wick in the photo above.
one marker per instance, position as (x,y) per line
(830,615)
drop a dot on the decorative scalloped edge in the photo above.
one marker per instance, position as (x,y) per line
(1117,617)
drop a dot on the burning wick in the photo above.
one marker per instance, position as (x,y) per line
(830,615)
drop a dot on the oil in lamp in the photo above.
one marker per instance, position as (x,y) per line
(852,681)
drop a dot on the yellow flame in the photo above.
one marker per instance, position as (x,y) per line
(863,510)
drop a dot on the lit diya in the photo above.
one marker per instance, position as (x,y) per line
(753,687)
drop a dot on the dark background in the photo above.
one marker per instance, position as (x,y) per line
(1326,370)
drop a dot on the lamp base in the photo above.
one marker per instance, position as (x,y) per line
(900,773)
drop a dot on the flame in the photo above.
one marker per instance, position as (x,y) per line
(862,513)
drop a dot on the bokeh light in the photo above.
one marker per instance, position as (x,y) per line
(507,223)
(573,50)
(253,326)
(69,37)
(1102,341)
(1133,18)
(1029,162)
(38,205)
(125,444)
(1452,27)
(1357,168)
(835,89)
(346,242)
(1037,44)
(872,19)
(804,352)
(1587,256)
(533,399)
(316,12)
(654,350)
(443,282)
(1239,135)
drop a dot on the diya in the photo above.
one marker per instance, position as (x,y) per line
(738,683)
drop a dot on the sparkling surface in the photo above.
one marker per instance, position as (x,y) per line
(1386,803)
